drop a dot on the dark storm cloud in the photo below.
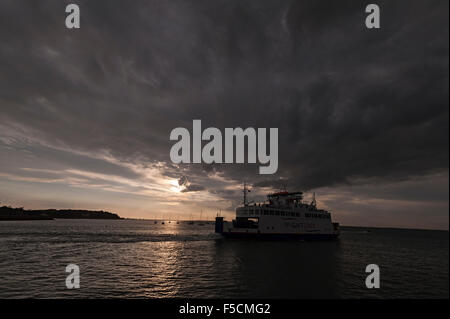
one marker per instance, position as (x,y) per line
(350,103)
(192,188)
(188,187)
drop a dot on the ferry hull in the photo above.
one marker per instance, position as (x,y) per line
(274,236)
(227,230)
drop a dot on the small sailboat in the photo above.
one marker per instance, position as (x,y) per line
(201,223)
(190,222)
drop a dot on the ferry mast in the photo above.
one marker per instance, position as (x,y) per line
(245,191)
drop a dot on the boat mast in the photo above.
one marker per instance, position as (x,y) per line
(313,202)
(245,194)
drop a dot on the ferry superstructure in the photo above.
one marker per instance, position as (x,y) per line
(283,216)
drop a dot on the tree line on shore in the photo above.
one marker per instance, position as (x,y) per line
(19,213)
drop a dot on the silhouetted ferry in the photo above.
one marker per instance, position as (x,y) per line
(283,216)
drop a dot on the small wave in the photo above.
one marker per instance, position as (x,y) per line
(107,238)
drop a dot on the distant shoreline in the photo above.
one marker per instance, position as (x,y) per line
(20,214)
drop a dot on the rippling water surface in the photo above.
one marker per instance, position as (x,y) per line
(135,259)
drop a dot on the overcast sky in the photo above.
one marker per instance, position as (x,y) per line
(362,114)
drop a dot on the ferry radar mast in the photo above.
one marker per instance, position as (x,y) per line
(245,191)
(313,202)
